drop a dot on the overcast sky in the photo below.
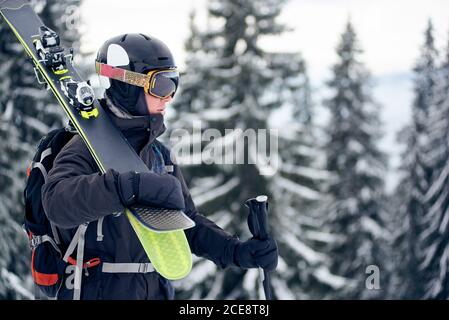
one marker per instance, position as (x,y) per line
(389,31)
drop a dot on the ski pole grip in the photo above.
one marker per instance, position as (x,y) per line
(262,216)
(258,226)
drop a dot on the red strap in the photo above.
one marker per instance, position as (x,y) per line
(29,170)
(89,264)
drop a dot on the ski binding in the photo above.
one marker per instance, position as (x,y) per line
(81,96)
(48,48)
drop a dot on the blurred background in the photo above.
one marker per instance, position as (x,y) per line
(358,91)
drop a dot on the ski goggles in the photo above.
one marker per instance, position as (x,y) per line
(160,83)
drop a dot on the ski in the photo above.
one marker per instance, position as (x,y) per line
(159,230)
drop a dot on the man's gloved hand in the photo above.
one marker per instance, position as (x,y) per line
(148,188)
(255,253)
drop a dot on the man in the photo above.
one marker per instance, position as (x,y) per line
(76,193)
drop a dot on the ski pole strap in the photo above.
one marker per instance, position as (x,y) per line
(127,267)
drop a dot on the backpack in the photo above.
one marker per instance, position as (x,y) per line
(47,264)
(49,258)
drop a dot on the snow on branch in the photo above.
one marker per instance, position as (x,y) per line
(37,125)
(323,275)
(216,288)
(202,185)
(217,192)
(199,273)
(305,172)
(16,284)
(310,255)
(250,280)
(438,184)
(220,114)
(282,290)
(7,114)
(300,190)
(373,228)
(323,237)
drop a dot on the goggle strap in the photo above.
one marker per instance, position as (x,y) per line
(130,77)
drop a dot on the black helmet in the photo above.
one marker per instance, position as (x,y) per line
(134,52)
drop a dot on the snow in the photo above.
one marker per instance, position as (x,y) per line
(199,273)
(372,227)
(434,212)
(355,146)
(222,219)
(220,113)
(250,279)
(217,192)
(281,290)
(216,288)
(444,222)
(7,115)
(324,276)
(323,237)
(300,190)
(17,284)
(438,184)
(307,172)
(307,151)
(41,127)
(204,184)
(310,255)
(267,164)
(429,254)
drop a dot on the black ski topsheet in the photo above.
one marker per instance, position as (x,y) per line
(105,142)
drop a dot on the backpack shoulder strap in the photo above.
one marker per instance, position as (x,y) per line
(49,145)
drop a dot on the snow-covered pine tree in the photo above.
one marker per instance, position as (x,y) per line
(27,112)
(435,227)
(355,213)
(227,84)
(417,173)
(298,183)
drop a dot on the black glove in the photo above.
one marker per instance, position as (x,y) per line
(151,189)
(255,253)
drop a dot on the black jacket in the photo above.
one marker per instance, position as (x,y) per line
(75,193)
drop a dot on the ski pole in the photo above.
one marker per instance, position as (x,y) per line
(257,223)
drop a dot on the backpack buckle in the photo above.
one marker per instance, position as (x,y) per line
(143,267)
(35,241)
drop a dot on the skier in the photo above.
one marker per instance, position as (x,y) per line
(76,193)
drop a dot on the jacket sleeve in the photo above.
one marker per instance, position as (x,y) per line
(75,192)
(207,239)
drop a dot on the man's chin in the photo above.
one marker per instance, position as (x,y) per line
(161,112)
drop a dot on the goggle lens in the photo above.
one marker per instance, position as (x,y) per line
(163,83)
